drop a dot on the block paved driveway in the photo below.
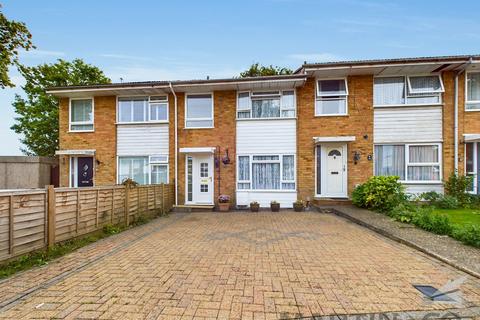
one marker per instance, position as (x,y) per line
(231,266)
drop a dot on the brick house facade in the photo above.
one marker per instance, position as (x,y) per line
(313,135)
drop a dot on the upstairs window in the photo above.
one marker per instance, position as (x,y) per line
(472,100)
(199,111)
(331,97)
(159,108)
(134,109)
(266,104)
(409,90)
(81,115)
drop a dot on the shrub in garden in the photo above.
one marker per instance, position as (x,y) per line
(433,222)
(469,235)
(381,193)
(430,196)
(456,186)
(447,202)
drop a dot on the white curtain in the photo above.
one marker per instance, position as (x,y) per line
(159,174)
(473,87)
(389,90)
(288,168)
(390,161)
(422,154)
(244,168)
(81,110)
(266,108)
(425,83)
(423,173)
(135,168)
(266,176)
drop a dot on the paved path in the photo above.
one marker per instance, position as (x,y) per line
(232,266)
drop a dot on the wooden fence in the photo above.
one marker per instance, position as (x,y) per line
(34,219)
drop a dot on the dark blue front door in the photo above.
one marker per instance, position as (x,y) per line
(85,172)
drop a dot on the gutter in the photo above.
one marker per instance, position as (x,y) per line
(455,115)
(176,143)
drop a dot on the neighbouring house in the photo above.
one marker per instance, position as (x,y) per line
(313,135)
(26,172)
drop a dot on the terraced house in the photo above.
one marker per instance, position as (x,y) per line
(313,135)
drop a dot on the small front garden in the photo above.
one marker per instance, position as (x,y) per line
(456,214)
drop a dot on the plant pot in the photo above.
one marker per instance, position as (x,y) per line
(254,207)
(275,207)
(224,207)
(297,207)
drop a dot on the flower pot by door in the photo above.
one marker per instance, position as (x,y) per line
(224,207)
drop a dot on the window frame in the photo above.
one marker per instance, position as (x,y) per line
(199,119)
(282,107)
(319,97)
(149,102)
(70,123)
(466,102)
(407,162)
(279,161)
(153,102)
(409,85)
(475,173)
(405,87)
(150,163)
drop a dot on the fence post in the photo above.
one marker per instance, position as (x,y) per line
(10,225)
(127,204)
(163,199)
(113,206)
(97,209)
(51,215)
(77,216)
(155,199)
(138,203)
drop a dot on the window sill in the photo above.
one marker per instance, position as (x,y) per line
(260,119)
(472,110)
(80,131)
(196,128)
(332,115)
(142,122)
(267,191)
(421,182)
(408,105)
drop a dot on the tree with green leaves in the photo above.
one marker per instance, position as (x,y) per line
(37,119)
(257,70)
(13,36)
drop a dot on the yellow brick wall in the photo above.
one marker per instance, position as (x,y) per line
(103,140)
(358,123)
(222,136)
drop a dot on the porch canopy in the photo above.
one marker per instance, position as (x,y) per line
(89,152)
(198,150)
(318,140)
(471,137)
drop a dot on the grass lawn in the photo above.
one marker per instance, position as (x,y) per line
(462,217)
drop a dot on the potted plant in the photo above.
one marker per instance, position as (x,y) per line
(254,206)
(223,203)
(298,206)
(274,206)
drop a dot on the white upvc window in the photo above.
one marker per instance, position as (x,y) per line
(132,109)
(81,115)
(158,108)
(158,169)
(199,111)
(472,91)
(331,97)
(266,104)
(266,172)
(151,169)
(407,90)
(411,162)
(472,165)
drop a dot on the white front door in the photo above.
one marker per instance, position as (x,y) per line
(199,178)
(333,170)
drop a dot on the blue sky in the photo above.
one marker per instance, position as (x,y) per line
(169,40)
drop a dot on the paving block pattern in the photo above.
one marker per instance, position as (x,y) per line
(236,266)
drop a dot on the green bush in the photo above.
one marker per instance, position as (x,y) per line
(456,186)
(430,196)
(380,193)
(433,222)
(469,235)
(447,202)
(404,212)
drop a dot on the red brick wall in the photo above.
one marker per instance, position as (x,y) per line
(103,140)
(358,123)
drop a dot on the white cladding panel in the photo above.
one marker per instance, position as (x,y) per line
(407,124)
(146,139)
(417,189)
(266,136)
(285,198)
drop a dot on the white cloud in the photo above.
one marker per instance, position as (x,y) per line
(42,53)
(124,57)
(315,57)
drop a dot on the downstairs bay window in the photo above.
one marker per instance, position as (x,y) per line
(410,162)
(143,169)
(266,172)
